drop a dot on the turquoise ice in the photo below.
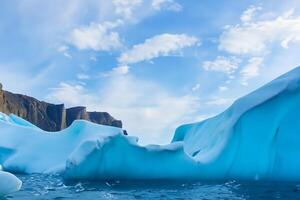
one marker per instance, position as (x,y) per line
(257,138)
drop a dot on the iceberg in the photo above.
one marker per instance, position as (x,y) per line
(257,138)
(8,183)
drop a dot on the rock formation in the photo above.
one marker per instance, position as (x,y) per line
(96,117)
(50,117)
(1,98)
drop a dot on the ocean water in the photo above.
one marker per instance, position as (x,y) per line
(53,187)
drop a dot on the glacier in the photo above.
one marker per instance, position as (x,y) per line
(257,138)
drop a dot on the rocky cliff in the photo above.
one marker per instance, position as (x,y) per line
(1,98)
(96,117)
(50,117)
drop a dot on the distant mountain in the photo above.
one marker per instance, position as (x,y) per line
(50,117)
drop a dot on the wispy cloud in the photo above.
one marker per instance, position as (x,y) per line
(166,4)
(220,102)
(125,8)
(255,37)
(196,87)
(252,40)
(146,109)
(251,70)
(64,50)
(248,14)
(223,88)
(227,65)
(159,45)
(123,69)
(82,76)
(71,94)
(98,37)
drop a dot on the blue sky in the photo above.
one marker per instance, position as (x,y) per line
(154,64)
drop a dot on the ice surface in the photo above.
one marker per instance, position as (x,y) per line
(26,148)
(258,137)
(8,183)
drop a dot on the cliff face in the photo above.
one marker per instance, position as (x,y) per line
(96,117)
(50,117)
(1,98)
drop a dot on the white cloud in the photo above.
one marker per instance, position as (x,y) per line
(71,94)
(166,4)
(146,109)
(64,50)
(116,71)
(251,70)
(223,88)
(126,8)
(248,14)
(220,101)
(124,69)
(255,37)
(227,65)
(102,36)
(98,37)
(159,45)
(83,76)
(196,87)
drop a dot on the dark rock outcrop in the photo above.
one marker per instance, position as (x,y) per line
(50,117)
(96,117)
(75,113)
(1,98)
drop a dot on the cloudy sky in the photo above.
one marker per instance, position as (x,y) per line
(154,64)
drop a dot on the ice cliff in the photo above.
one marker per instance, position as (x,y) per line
(257,138)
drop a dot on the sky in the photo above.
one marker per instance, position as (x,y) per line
(154,64)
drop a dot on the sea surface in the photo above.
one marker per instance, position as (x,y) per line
(53,187)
